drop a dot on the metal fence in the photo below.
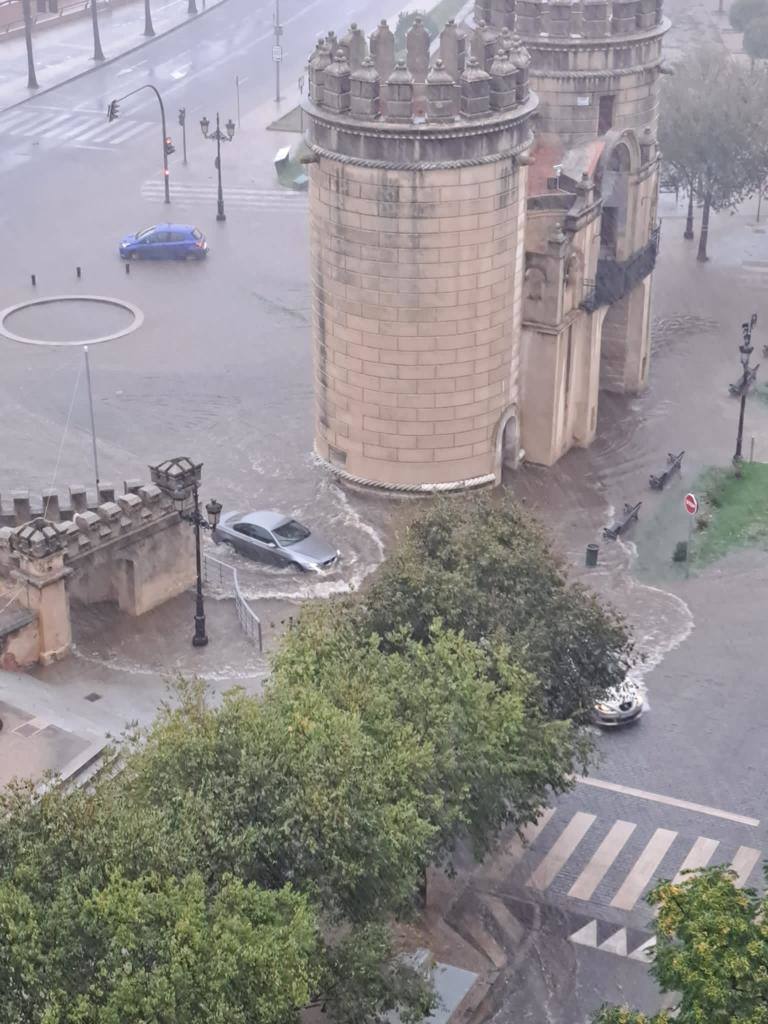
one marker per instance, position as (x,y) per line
(224,574)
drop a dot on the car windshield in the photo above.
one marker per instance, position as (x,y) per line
(290,533)
(144,233)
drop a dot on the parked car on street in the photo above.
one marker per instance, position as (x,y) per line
(275,538)
(165,242)
(620,706)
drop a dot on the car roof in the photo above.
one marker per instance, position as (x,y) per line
(268,520)
(172,227)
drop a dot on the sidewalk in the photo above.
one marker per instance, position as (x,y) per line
(63,51)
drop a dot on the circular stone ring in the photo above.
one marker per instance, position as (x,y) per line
(137,319)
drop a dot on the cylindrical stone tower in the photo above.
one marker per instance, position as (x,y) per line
(595,64)
(417,204)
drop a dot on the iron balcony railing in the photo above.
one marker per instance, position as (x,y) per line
(615,280)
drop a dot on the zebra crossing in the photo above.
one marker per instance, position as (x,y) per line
(615,863)
(79,129)
(190,195)
(583,876)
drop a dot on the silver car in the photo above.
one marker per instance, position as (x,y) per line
(274,538)
(620,706)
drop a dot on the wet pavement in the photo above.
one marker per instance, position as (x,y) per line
(32,746)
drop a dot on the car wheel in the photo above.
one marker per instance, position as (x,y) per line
(297,566)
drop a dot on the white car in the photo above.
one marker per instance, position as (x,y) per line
(620,706)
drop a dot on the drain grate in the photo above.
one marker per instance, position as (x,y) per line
(93,697)
(27,729)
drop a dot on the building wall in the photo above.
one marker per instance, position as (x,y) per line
(417,310)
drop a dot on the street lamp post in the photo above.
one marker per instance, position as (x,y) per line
(745,351)
(179,478)
(218,136)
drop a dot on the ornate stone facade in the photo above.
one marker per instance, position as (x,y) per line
(468,305)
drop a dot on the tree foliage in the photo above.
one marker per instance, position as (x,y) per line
(469,747)
(484,567)
(742,12)
(712,130)
(711,950)
(756,38)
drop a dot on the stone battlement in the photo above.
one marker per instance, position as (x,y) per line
(569,19)
(78,530)
(21,506)
(479,74)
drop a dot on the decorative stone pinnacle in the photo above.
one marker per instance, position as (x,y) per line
(38,538)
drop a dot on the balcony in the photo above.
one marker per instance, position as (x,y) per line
(615,280)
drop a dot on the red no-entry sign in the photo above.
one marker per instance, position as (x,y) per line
(691,503)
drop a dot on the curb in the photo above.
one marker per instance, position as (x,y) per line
(111,60)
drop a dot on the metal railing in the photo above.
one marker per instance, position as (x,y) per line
(224,574)
(615,280)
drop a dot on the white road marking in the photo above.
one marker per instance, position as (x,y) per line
(670,801)
(743,863)
(128,133)
(603,857)
(616,943)
(16,117)
(561,850)
(644,868)
(586,936)
(699,856)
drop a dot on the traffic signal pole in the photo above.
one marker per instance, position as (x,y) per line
(112,115)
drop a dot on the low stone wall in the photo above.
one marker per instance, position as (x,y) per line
(19,639)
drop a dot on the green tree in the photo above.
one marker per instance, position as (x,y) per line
(467,743)
(711,950)
(742,12)
(712,130)
(756,38)
(155,949)
(484,567)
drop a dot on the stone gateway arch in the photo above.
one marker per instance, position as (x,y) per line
(483,230)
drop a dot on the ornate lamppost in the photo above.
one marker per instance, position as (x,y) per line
(179,478)
(747,375)
(218,137)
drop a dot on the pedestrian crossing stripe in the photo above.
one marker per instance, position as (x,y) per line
(618,942)
(236,196)
(70,127)
(640,876)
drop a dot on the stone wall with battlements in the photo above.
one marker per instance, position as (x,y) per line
(417,206)
(132,549)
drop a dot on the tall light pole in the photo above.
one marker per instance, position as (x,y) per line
(745,351)
(179,479)
(277,50)
(218,136)
(31,76)
(98,53)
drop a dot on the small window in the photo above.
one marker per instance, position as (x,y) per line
(244,528)
(263,536)
(197,235)
(605,114)
(161,236)
(178,236)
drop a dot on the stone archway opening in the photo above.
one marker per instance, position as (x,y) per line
(507,443)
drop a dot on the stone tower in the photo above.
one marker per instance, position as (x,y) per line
(417,205)
(468,306)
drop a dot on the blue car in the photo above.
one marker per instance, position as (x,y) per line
(165,242)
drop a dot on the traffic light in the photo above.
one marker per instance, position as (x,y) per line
(169,146)
(182,116)
(112,110)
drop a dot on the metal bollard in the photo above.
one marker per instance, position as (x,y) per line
(79,272)
(127,268)
(591,559)
(34,280)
